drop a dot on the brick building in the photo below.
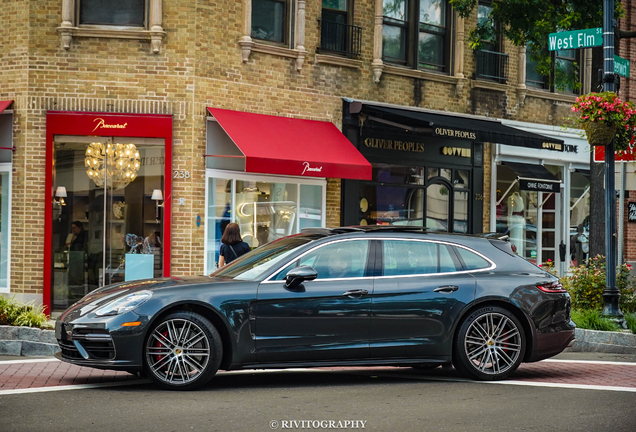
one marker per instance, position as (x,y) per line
(278,115)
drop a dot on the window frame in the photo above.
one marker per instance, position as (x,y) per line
(144,26)
(151,31)
(414,27)
(288,24)
(350,38)
(547,84)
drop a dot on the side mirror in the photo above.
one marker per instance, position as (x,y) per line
(299,275)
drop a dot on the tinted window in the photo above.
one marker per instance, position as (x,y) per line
(112,12)
(346,259)
(262,260)
(416,257)
(472,260)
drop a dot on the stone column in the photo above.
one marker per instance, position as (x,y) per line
(459,54)
(377,65)
(246,42)
(65,30)
(521,76)
(156,30)
(300,34)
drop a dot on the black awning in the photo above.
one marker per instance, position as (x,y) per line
(585,172)
(533,177)
(456,126)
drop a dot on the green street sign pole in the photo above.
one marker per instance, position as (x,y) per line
(574,39)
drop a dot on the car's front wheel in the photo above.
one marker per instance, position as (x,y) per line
(490,344)
(183,351)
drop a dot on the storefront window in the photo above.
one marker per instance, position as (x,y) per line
(579,215)
(107,214)
(5,212)
(265,209)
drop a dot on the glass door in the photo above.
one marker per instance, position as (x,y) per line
(107,213)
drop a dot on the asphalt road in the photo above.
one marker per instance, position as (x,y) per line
(387,399)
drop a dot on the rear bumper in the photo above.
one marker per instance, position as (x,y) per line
(550,344)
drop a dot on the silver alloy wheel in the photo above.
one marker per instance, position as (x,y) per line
(492,343)
(178,351)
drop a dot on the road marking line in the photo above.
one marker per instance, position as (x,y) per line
(71,387)
(28,361)
(601,362)
(561,385)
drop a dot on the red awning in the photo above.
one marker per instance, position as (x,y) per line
(4,105)
(290,146)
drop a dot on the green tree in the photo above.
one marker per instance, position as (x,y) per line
(529,23)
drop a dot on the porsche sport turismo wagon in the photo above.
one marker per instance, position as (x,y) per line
(347,296)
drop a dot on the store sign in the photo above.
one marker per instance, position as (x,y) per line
(308,168)
(631,212)
(454,133)
(538,186)
(456,151)
(100,123)
(387,144)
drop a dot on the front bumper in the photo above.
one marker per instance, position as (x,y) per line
(101,345)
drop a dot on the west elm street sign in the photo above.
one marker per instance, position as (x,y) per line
(576,39)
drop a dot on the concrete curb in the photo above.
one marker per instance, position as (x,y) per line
(603,342)
(27,341)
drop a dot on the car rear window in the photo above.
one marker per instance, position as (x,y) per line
(416,257)
(471,260)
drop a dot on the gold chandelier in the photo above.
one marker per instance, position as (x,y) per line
(118,163)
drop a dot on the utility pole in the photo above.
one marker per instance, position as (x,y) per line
(611,294)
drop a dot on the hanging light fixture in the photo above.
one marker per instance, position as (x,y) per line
(118,163)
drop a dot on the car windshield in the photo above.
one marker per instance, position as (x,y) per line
(260,261)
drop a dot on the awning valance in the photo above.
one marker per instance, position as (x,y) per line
(269,144)
(465,127)
(533,177)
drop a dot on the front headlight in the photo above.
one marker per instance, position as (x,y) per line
(124,304)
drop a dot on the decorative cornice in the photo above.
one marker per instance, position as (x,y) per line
(555,97)
(156,37)
(489,85)
(414,73)
(275,50)
(338,61)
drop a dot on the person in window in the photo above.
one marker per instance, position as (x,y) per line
(232,245)
(76,241)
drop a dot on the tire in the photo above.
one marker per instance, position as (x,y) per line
(183,351)
(490,344)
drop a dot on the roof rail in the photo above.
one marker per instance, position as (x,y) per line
(365,228)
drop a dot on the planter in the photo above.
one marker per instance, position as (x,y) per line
(599,133)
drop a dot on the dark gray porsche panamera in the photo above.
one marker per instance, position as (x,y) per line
(346,296)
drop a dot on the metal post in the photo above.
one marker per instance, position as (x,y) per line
(611,293)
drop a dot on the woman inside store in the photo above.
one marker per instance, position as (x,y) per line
(232,245)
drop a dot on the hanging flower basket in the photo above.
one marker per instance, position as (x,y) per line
(599,133)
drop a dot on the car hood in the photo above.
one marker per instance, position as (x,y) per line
(104,295)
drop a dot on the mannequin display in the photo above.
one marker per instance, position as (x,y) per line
(516,221)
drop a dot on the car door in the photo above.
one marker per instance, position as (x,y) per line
(324,319)
(417,298)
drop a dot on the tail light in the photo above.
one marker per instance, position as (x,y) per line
(552,287)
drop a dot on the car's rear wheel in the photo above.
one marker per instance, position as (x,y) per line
(183,351)
(490,344)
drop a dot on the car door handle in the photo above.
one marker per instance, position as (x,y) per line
(446,289)
(354,293)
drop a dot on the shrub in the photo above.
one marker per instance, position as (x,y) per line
(593,320)
(587,282)
(630,321)
(17,314)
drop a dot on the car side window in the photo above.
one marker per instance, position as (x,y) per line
(416,257)
(471,260)
(346,259)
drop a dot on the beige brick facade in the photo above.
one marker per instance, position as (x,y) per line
(200,65)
